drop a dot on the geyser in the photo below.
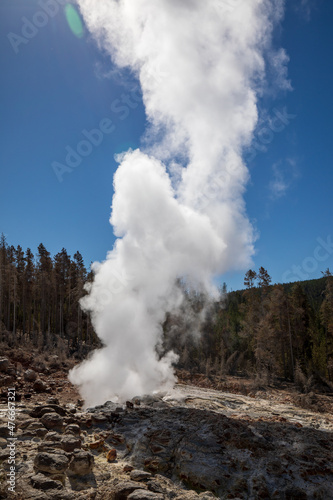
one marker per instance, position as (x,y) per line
(178,206)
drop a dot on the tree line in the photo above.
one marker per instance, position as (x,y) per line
(39,296)
(277,330)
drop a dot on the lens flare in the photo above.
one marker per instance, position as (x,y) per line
(74,20)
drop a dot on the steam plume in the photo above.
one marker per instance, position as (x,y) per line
(177,208)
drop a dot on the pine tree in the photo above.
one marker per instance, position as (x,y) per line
(3,267)
(44,280)
(20,268)
(326,312)
(29,291)
(249,278)
(62,277)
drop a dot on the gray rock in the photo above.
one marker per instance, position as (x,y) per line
(53,463)
(82,463)
(39,431)
(99,418)
(25,423)
(139,475)
(53,436)
(30,375)
(50,446)
(145,495)
(124,489)
(52,400)
(73,429)
(39,410)
(41,482)
(52,420)
(69,443)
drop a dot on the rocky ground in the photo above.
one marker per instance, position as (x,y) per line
(192,442)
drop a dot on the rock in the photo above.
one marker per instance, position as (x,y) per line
(4,453)
(124,489)
(39,410)
(81,463)
(25,423)
(52,400)
(73,429)
(53,463)
(94,445)
(128,468)
(39,431)
(34,424)
(30,375)
(52,420)
(145,495)
(139,475)
(4,364)
(3,442)
(39,386)
(41,482)
(111,455)
(53,436)
(115,439)
(49,446)
(99,419)
(11,370)
(70,443)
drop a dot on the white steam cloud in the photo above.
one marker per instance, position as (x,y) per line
(178,207)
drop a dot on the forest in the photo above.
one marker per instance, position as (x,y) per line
(278,331)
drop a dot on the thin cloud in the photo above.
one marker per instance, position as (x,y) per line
(284,175)
(305,8)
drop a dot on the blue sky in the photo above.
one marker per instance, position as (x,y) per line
(57,86)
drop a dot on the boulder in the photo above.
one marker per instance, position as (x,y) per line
(125,488)
(139,475)
(73,429)
(69,443)
(82,463)
(39,410)
(99,419)
(52,400)
(52,420)
(39,386)
(53,463)
(30,375)
(41,482)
